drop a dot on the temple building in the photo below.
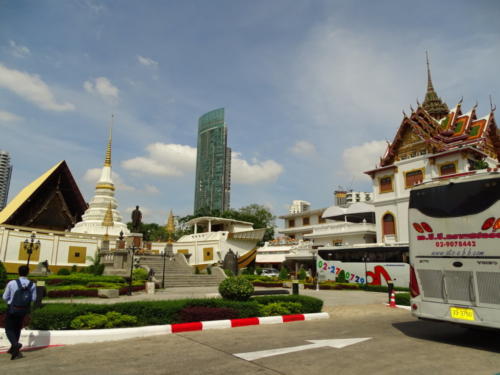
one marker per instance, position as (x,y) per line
(104,199)
(433,142)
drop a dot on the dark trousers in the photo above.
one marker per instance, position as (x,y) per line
(13,327)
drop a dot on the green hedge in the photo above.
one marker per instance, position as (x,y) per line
(309,304)
(74,278)
(57,316)
(381,288)
(403,299)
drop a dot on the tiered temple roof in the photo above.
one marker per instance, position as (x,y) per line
(433,128)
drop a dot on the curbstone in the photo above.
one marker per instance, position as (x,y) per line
(44,339)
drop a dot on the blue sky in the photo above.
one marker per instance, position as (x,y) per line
(312,89)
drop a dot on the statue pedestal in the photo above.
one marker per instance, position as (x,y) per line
(136,239)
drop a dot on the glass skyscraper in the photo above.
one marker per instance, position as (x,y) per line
(5,173)
(213,164)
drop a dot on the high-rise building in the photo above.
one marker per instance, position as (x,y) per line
(213,164)
(5,173)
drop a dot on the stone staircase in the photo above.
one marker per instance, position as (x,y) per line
(178,273)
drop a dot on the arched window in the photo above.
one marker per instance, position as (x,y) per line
(388,225)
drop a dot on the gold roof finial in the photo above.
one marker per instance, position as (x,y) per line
(107,161)
(108,220)
(170,226)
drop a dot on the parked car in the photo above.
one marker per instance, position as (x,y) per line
(270,272)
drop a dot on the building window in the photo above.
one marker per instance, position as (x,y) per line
(388,225)
(386,184)
(208,253)
(305,221)
(77,254)
(291,223)
(321,220)
(413,178)
(447,168)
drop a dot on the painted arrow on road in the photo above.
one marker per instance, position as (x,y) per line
(333,343)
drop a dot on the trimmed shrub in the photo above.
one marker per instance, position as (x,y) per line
(204,313)
(284,274)
(403,299)
(111,319)
(236,288)
(341,277)
(258,271)
(3,276)
(228,273)
(281,308)
(63,271)
(309,304)
(209,270)
(302,274)
(140,274)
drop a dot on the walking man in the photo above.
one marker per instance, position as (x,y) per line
(18,294)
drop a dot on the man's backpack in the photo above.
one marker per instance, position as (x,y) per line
(21,302)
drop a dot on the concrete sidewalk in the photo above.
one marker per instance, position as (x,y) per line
(330,297)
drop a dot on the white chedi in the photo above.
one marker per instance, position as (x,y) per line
(104,197)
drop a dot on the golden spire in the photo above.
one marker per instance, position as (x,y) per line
(108,220)
(107,161)
(170,227)
(108,217)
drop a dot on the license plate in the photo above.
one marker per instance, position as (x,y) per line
(462,313)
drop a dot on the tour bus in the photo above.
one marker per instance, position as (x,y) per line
(372,264)
(454,228)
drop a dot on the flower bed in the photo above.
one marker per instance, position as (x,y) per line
(268,284)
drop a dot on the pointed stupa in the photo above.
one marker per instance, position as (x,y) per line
(432,102)
(94,220)
(170,226)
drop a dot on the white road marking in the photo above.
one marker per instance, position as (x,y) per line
(333,343)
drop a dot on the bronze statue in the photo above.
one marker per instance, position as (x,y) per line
(136,219)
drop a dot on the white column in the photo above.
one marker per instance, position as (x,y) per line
(209,225)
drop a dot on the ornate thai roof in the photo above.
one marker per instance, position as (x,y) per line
(52,201)
(421,132)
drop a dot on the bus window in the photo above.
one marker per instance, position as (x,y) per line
(456,199)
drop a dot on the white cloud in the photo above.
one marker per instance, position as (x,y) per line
(92,176)
(164,160)
(151,189)
(303,148)
(31,88)
(245,173)
(146,61)
(103,87)
(179,160)
(9,117)
(359,159)
(18,50)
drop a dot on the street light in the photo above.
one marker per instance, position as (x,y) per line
(315,259)
(132,250)
(366,259)
(167,252)
(28,246)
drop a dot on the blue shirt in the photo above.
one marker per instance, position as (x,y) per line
(11,288)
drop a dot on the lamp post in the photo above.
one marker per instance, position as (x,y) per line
(315,260)
(366,259)
(28,246)
(132,250)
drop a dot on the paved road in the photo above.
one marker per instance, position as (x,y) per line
(399,344)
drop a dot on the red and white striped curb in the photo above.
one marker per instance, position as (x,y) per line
(43,339)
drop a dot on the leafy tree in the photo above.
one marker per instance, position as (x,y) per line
(3,276)
(284,274)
